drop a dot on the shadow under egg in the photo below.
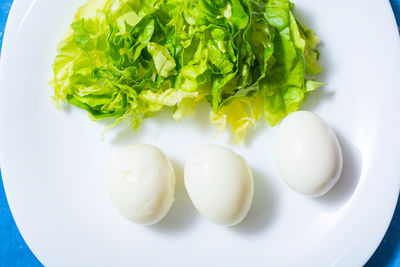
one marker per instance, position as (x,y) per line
(340,194)
(263,209)
(182,215)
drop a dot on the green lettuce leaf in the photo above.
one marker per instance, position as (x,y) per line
(129,59)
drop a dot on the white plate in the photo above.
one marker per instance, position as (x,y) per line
(53,162)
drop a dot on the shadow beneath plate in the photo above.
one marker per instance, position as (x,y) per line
(347,184)
(385,255)
(263,209)
(182,215)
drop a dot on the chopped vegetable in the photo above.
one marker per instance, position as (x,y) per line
(128,59)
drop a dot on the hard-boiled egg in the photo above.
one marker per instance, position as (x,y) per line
(220,184)
(141,183)
(308,154)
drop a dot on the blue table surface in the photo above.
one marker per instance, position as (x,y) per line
(15,252)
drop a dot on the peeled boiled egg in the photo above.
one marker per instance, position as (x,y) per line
(308,154)
(141,183)
(220,184)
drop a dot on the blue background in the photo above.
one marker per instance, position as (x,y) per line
(15,252)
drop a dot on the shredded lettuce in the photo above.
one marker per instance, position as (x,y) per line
(128,59)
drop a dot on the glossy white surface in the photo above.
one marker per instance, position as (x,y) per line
(308,154)
(220,184)
(53,163)
(141,183)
